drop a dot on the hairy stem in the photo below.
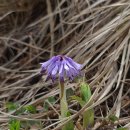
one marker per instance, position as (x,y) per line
(63,101)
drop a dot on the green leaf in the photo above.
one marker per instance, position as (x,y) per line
(88,118)
(46,106)
(69,92)
(51,100)
(14,125)
(79,100)
(30,109)
(85,92)
(113,118)
(122,128)
(20,111)
(11,106)
(70,124)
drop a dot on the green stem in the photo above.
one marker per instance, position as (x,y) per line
(63,101)
(64,108)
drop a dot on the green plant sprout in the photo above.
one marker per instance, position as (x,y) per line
(64,66)
(88,115)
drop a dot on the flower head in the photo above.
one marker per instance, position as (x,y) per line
(61,65)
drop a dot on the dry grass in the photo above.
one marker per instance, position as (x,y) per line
(95,33)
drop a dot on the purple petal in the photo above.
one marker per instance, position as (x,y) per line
(50,68)
(69,65)
(61,64)
(74,72)
(61,72)
(52,65)
(54,71)
(66,67)
(45,64)
(74,64)
(69,75)
(71,70)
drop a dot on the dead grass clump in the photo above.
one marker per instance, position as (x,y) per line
(93,32)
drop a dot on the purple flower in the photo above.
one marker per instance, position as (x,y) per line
(61,65)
